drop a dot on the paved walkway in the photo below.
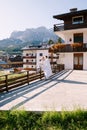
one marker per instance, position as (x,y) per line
(65,90)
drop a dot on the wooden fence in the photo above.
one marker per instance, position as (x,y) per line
(11,81)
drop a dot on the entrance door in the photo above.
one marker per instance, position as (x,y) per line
(78,61)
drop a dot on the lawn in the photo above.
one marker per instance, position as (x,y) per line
(10,75)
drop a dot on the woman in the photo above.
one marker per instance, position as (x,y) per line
(45,66)
(49,70)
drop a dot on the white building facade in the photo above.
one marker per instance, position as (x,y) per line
(32,56)
(74,33)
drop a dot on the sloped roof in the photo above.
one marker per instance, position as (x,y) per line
(2,62)
(75,13)
(35,48)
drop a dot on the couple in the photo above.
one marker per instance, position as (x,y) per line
(45,66)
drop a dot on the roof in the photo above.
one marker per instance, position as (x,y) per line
(74,13)
(35,48)
(2,62)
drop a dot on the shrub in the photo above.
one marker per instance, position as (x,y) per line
(23,120)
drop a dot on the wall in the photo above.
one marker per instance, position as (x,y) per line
(61,58)
(85,37)
(30,52)
(85,61)
(68,61)
(37,59)
(67,34)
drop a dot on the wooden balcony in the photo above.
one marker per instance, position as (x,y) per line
(52,62)
(52,57)
(29,57)
(62,26)
(74,47)
(29,63)
(59,27)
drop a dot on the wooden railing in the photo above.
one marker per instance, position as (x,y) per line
(73,47)
(62,26)
(59,27)
(29,57)
(11,81)
(30,63)
(57,68)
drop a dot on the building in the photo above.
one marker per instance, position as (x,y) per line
(15,61)
(32,56)
(73,31)
(4,56)
(3,64)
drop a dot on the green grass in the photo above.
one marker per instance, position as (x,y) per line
(10,76)
(23,120)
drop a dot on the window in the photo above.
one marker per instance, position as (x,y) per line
(78,38)
(27,54)
(27,61)
(41,54)
(77,20)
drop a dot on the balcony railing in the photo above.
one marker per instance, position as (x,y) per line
(75,47)
(30,63)
(30,57)
(62,26)
(59,27)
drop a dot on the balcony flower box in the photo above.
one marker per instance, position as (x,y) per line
(58,47)
(77,46)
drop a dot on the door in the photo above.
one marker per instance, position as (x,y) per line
(78,38)
(78,61)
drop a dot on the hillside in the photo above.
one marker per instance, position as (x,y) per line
(19,39)
(40,34)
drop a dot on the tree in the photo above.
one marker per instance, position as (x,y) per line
(50,42)
(59,40)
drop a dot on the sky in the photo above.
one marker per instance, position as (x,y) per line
(19,15)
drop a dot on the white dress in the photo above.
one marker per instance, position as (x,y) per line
(47,68)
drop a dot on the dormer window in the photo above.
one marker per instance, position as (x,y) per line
(77,20)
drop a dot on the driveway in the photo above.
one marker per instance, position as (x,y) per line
(65,90)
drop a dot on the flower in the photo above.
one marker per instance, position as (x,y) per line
(74,45)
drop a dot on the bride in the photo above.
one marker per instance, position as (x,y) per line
(46,67)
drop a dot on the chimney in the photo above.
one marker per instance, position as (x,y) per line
(73,10)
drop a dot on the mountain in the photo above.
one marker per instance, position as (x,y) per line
(41,34)
(19,39)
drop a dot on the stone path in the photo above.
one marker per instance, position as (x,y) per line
(65,90)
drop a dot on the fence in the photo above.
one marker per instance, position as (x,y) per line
(12,81)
